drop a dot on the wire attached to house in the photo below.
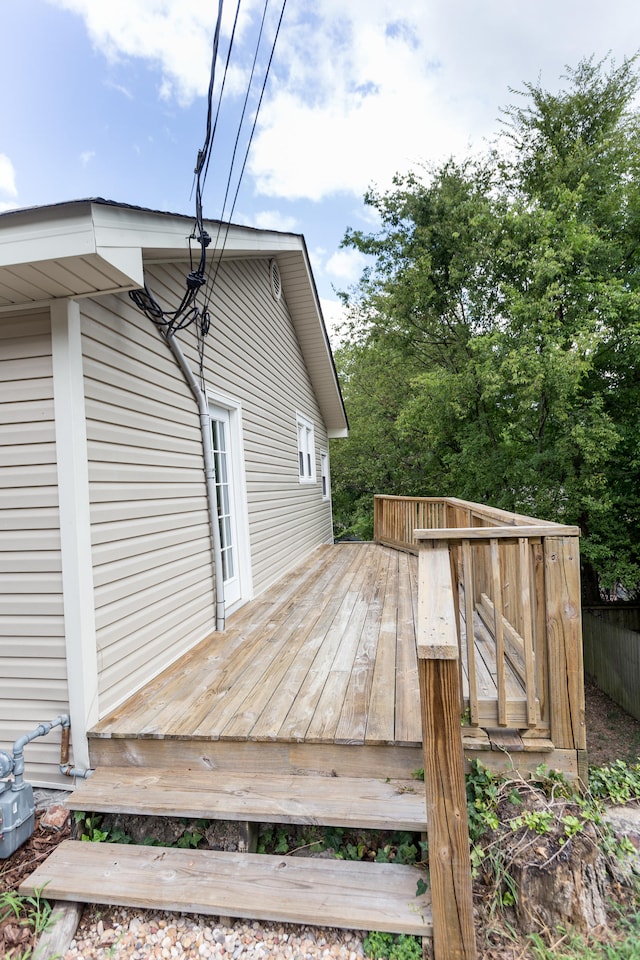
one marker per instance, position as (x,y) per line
(227,221)
(188,310)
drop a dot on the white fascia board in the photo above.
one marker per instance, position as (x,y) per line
(118,227)
(161,235)
(306,314)
(75,524)
(127,261)
(59,234)
(30,239)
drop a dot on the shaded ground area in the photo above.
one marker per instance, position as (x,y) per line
(612,734)
(15,936)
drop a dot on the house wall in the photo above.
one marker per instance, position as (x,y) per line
(153,580)
(33,678)
(150,539)
(253,355)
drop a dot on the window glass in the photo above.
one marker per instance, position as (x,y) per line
(306,450)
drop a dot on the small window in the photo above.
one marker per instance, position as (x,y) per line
(306,450)
(324,474)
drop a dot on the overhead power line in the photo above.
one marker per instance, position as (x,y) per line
(188,311)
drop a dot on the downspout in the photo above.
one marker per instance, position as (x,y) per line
(209,473)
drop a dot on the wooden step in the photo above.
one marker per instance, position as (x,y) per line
(336,893)
(327,801)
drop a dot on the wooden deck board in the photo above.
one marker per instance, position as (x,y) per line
(262,684)
(352,724)
(335,893)
(358,802)
(275,715)
(408,722)
(300,713)
(327,713)
(381,722)
(325,656)
(201,670)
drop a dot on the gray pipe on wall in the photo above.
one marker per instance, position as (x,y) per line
(209,472)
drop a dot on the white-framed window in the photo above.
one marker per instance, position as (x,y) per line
(306,450)
(324,475)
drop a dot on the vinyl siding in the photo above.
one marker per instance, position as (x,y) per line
(151,549)
(253,356)
(33,677)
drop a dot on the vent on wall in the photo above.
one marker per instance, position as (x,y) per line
(276,282)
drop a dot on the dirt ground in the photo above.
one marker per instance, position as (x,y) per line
(612,734)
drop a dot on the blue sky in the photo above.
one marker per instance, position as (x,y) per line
(107,98)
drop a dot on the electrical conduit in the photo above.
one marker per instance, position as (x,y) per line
(209,473)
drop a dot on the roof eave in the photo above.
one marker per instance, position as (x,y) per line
(91,247)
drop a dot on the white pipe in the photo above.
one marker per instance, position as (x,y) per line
(209,473)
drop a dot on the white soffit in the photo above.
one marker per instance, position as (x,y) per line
(52,252)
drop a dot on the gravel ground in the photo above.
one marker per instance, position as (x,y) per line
(116,933)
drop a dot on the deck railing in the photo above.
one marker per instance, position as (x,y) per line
(517,580)
(512,583)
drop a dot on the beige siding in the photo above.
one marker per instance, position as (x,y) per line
(152,569)
(33,677)
(253,356)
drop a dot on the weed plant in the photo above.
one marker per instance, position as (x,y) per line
(32,913)
(379,846)
(569,945)
(389,946)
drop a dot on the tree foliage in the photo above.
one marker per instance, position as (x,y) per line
(493,352)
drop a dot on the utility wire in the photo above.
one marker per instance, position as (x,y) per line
(222,86)
(212,282)
(188,311)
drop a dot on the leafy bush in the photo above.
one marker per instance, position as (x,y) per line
(388,946)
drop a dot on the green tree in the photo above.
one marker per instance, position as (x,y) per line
(505,297)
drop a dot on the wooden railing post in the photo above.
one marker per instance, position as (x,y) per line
(447,825)
(564,646)
(378,507)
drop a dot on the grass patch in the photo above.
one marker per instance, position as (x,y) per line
(22,920)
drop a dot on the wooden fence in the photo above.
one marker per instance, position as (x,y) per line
(612,654)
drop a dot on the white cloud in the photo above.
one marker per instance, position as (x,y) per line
(7,177)
(119,88)
(86,156)
(346,266)
(334,316)
(317,257)
(369,91)
(361,90)
(274,220)
(174,34)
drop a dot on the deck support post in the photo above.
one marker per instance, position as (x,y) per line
(445,792)
(564,643)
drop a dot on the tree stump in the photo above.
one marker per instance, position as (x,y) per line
(568,888)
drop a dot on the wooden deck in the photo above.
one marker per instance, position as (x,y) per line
(326,657)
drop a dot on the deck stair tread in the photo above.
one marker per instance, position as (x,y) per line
(337,893)
(329,801)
